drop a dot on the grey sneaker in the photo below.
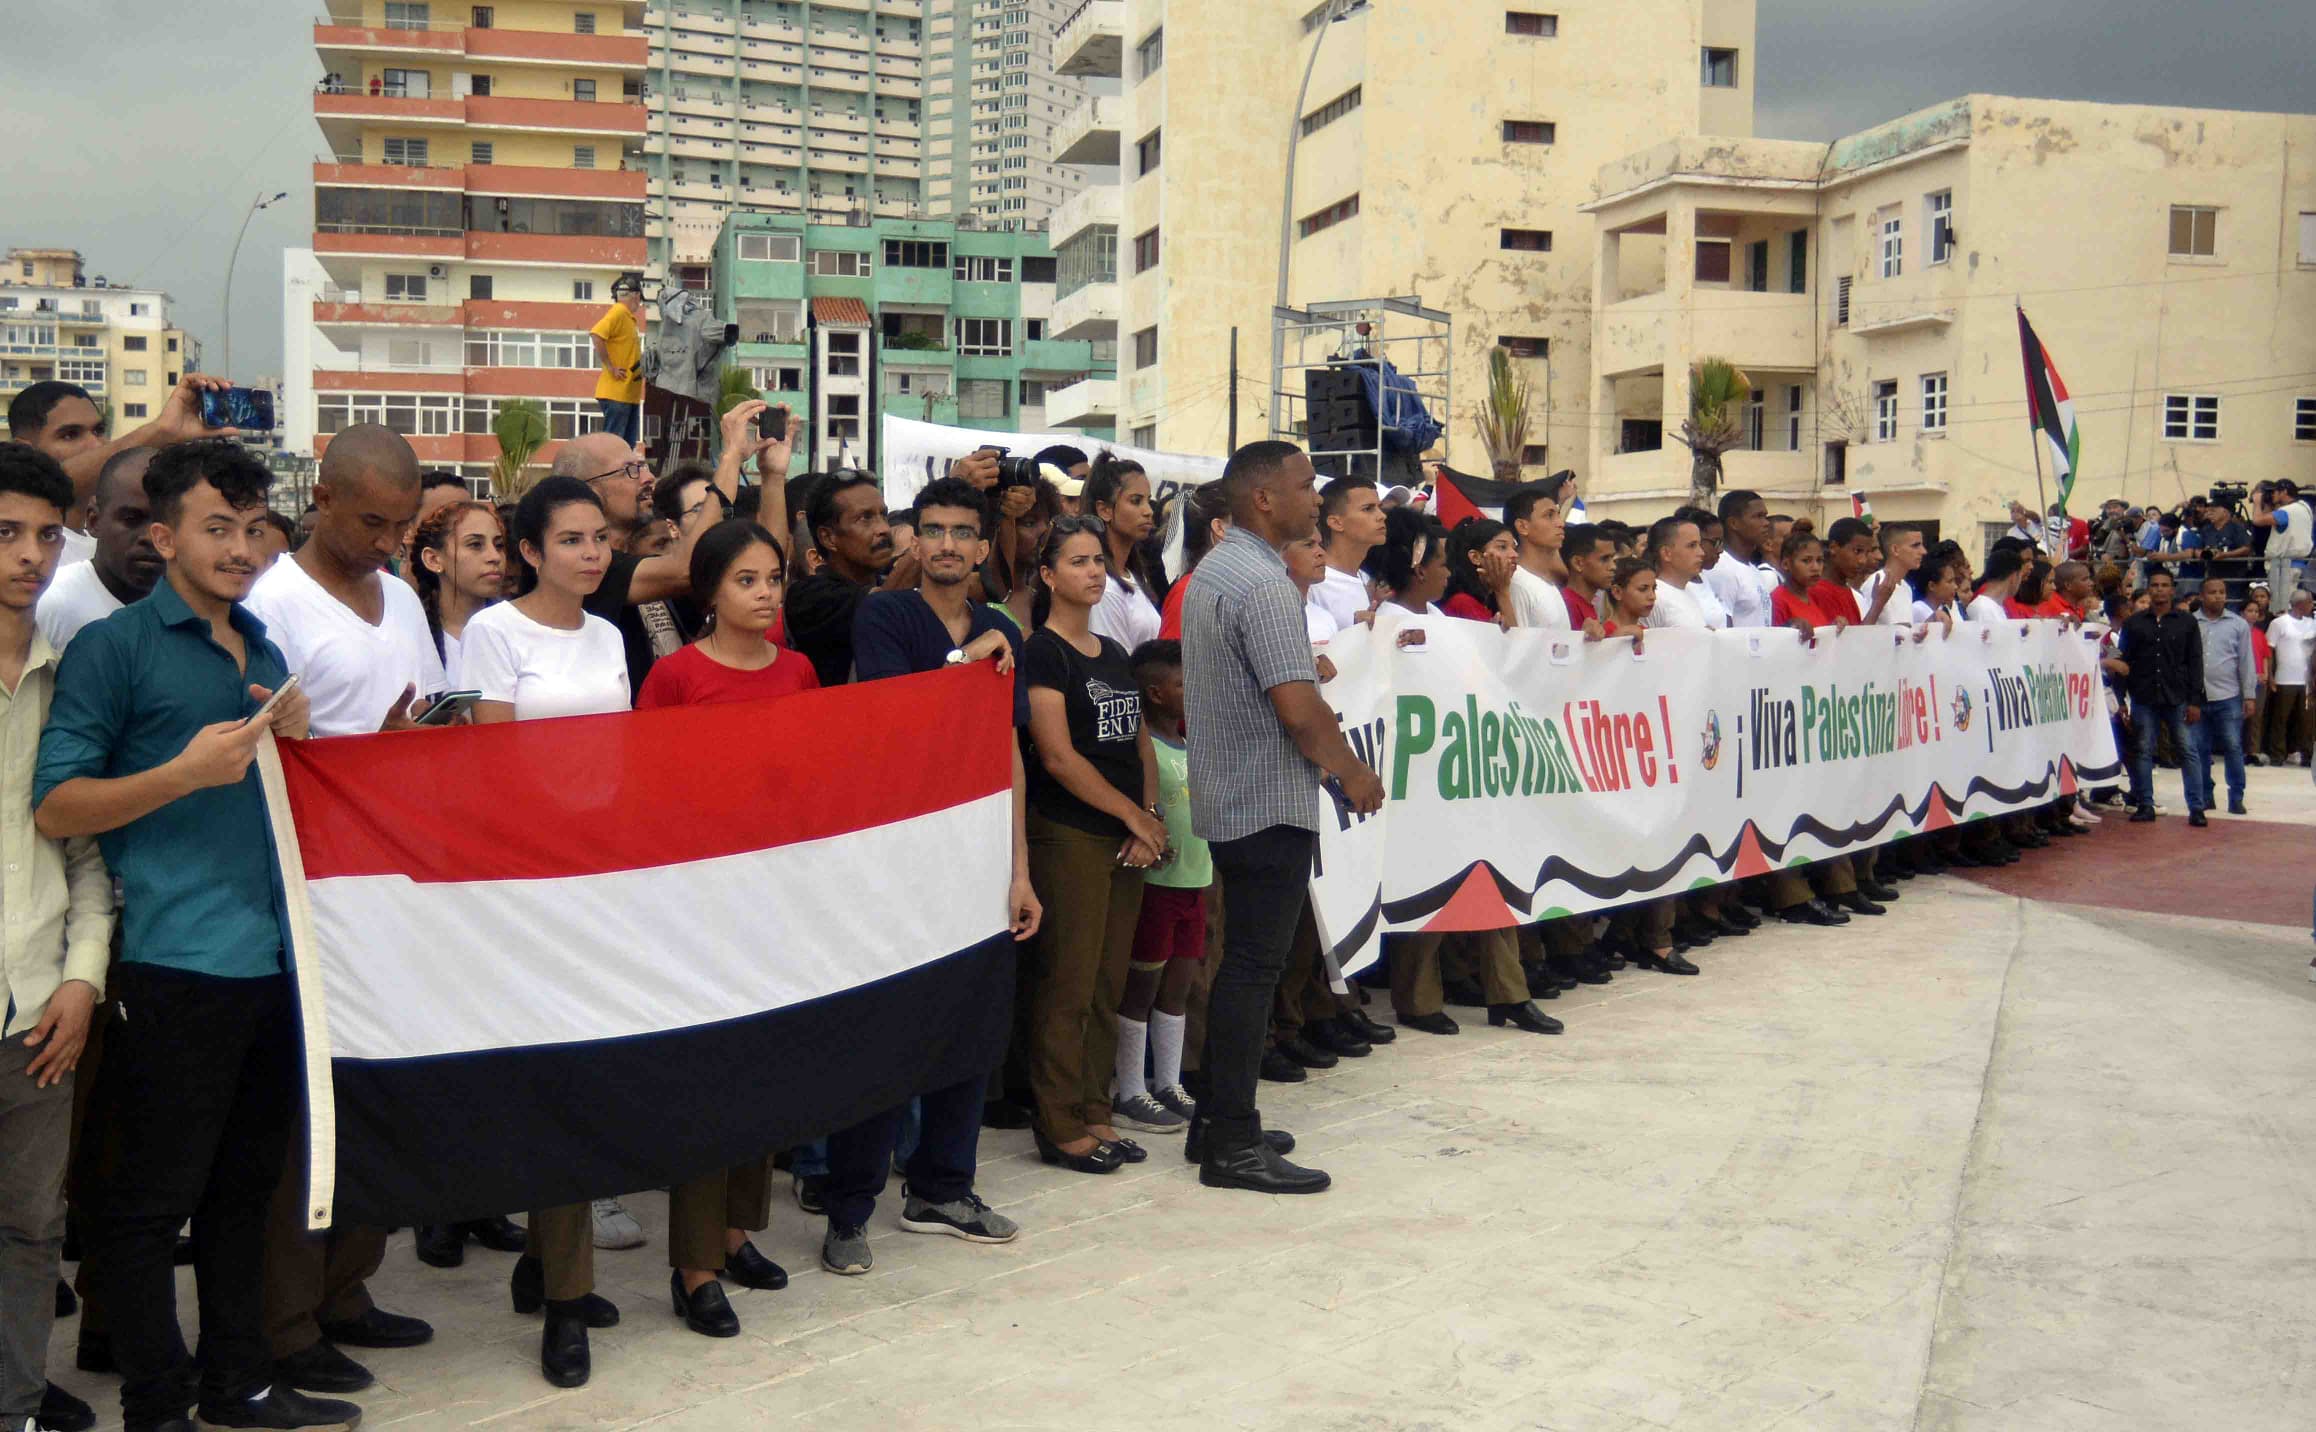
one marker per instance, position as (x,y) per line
(615,1227)
(1177,1100)
(846,1251)
(1145,1113)
(967,1218)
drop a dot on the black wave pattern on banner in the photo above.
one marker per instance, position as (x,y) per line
(438,1139)
(1635,883)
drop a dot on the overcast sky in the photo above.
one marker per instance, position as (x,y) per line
(140,137)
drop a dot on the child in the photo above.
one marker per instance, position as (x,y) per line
(1803,563)
(1171,938)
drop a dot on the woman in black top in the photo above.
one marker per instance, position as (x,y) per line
(1093,831)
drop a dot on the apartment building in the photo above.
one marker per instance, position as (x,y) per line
(1444,152)
(58,322)
(844,109)
(929,320)
(1869,288)
(482,187)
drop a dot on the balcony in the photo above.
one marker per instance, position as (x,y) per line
(1089,313)
(1095,204)
(1053,355)
(1769,331)
(353,173)
(561,116)
(438,248)
(353,105)
(1089,133)
(550,47)
(1092,41)
(849,81)
(686,62)
(706,192)
(356,42)
(1090,402)
(594,251)
(329,314)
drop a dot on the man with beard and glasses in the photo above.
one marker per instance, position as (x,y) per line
(124,566)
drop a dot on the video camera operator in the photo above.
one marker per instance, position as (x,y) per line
(2111,532)
(2277,508)
(2225,541)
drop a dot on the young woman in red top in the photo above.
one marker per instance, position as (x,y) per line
(1481,557)
(1803,563)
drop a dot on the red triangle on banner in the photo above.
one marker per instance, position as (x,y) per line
(2067,784)
(1476,905)
(1750,860)
(1939,816)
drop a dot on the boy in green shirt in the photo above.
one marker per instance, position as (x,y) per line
(1171,938)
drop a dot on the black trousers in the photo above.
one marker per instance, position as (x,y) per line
(199,1084)
(1264,878)
(940,1171)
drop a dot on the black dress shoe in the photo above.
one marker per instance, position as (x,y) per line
(1278,1141)
(440,1245)
(1279,1069)
(1461,992)
(1260,1170)
(283,1407)
(321,1368)
(94,1352)
(1369,1029)
(379,1328)
(1435,1023)
(1307,1054)
(705,1309)
(1003,1114)
(527,1286)
(1524,1016)
(1812,912)
(67,1301)
(1126,1149)
(2198,819)
(1336,1036)
(2237,808)
(1734,912)
(1725,926)
(60,1411)
(2142,815)
(751,1269)
(1669,963)
(1857,903)
(1696,934)
(1101,1158)
(563,1355)
(498,1233)
(1541,985)
(1876,890)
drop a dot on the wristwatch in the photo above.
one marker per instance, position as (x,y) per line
(956,656)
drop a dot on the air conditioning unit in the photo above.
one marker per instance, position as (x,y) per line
(438,271)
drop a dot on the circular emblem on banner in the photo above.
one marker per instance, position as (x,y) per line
(1961,709)
(1712,739)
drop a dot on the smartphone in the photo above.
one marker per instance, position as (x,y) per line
(280,693)
(249,409)
(772,424)
(449,708)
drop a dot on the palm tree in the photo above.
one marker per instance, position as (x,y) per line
(1503,416)
(521,428)
(1717,393)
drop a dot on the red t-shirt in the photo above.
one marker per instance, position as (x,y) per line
(1836,600)
(1467,606)
(2013,607)
(1784,606)
(2055,605)
(1170,615)
(691,677)
(1580,609)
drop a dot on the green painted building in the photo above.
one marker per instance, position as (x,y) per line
(920,318)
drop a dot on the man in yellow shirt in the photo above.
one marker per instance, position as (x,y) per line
(619,354)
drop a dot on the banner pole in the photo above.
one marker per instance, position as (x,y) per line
(2035,437)
(306,986)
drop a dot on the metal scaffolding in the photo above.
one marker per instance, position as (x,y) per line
(1360,335)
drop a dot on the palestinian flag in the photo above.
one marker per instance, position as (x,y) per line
(1860,508)
(1459,496)
(547,961)
(2050,410)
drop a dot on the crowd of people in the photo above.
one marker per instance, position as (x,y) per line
(1174,756)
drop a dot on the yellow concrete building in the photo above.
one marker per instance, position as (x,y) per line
(1869,287)
(1445,153)
(58,322)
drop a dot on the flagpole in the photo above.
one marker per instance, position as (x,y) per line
(2035,436)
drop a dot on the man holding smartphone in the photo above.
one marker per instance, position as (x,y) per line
(619,354)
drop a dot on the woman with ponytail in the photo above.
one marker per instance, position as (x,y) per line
(1118,494)
(459,565)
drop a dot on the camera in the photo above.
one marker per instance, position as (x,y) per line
(2228,494)
(1013,471)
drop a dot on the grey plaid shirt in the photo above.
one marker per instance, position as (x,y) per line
(1242,634)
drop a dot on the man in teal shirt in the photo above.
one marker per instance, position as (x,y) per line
(150,747)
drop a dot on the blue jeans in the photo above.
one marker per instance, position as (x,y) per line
(621,420)
(2223,722)
(2144,717)
(939,1170)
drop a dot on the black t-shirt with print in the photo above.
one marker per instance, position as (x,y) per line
(1104,704)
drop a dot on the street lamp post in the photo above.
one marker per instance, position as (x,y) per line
(260,202)
(1336,10)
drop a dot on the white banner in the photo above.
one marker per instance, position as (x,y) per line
(911,454)
(1530,774)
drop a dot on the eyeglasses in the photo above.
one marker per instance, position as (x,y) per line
(634,471)
(962,534)
(1071,526)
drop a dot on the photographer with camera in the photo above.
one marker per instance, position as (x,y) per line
(2222,537)
(2277,507)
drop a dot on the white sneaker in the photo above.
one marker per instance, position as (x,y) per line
(615,1227)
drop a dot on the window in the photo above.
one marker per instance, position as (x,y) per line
(771,248)
(2190,418)
(1146,251)
(403,16)
(134,377)
(2194,232)
(1150,55)
(139,310)
(478,285)
(1146,153)
(1797,261)
(1525,347)
(1145,436)
(1757,266)
(484,16)
(1526,241)
(479,152)
(1535,24)
(916,253)
(984,270)
(520,348)
(73,370)
(406,288)
(479,84)
(1938,218)
(1713,257)
(132,410)
(582,290)
(172,349)
(1332,110)
(1842,302)
(1033,391)
(1338,212)
(1534,455)
(389,211)
(985,337)
(1530,131)
(583,156)
(1934,402)
(1146,348)
(1720,68)
(1837,463)
(406,84)
(981,398)
(2304,420)
(1756,420)
(583,23)
(844,405)
(1893,244)
(583,91)
(2307,238)
(1793,417)
(408,152)
(1033,330)
(838,263)
(1886,411)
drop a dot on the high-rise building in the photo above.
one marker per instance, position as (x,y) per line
(484,187)
(58,322)
(1444,153)
(843,111)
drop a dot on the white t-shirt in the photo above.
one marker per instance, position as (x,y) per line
(76,597)
(1900,600)
(1125,617)
(1984,608)
(1701,592)
(1676,607)
(1924,612)
(78,548)
(450,664)
(1320,621)
(2289,641)
(350,670)
(1743,589)
(1342,595)
(1537,603)
(542,670)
